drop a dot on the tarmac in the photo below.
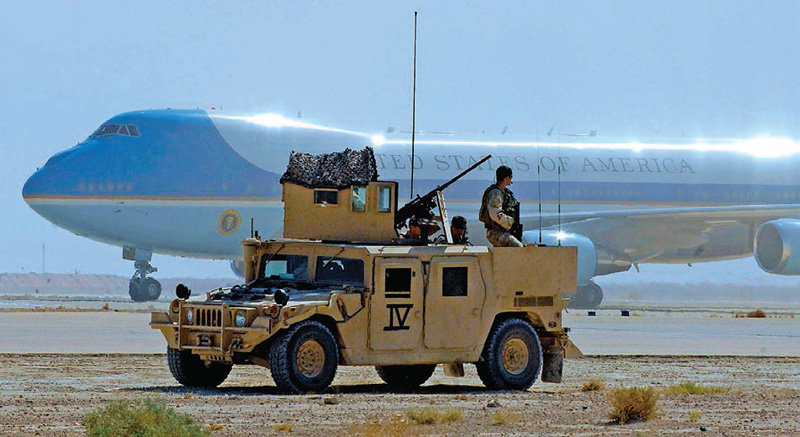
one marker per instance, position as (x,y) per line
(643,332)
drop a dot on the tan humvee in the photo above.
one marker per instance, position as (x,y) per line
(310,306)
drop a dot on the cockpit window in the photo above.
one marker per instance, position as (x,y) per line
(116,129)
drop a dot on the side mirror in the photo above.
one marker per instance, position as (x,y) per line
(281,296)
(182,291)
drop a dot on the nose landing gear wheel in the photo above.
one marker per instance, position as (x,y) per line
(145,290)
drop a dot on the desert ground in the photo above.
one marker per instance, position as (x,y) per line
(58,365)
(48,394)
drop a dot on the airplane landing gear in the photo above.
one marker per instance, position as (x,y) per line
(142,288)
(588,297)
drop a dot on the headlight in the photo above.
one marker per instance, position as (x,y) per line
(239,319)
(189,316)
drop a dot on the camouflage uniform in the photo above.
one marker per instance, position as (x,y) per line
(497,230)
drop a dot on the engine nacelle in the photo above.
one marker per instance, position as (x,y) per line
(777,247)
(587,255)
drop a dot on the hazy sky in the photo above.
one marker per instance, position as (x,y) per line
(629,69)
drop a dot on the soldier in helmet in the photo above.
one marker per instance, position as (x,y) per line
(495,211)
(458,229)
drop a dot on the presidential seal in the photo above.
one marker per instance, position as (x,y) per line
(229,222)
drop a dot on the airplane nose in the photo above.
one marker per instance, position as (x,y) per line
(45,180)
(33,186)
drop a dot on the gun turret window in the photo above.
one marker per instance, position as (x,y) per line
(384,199)
(116,129)
(359,199)
(328,197)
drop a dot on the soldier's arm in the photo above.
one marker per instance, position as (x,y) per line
(495,208)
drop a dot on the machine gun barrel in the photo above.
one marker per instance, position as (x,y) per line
(460,175)
(421,206)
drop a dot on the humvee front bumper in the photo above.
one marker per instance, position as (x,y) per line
(211,331)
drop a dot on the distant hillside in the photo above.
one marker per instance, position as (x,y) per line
(77,284)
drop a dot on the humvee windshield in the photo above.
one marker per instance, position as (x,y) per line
(344,271)
(287,267)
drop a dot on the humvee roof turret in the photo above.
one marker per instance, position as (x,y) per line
(309,305)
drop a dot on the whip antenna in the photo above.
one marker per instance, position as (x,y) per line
(414,106)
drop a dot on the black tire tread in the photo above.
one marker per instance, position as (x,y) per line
(189,370)
(405,377)
(490,370)
(281,365)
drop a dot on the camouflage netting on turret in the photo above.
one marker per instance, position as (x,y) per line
(332,170)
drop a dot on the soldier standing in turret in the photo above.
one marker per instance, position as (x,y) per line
(495,214)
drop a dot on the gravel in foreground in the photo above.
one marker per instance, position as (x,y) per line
(48,394)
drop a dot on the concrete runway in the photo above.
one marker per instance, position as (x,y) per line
(644,333)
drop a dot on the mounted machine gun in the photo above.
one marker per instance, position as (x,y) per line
(422,207)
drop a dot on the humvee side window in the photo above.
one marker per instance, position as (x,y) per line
(340,271)
(284,267)
(384,199)
(454,281)
(359,196)
(329,197)
(398,280)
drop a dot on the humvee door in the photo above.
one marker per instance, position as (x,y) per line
(396,305)
(454,303)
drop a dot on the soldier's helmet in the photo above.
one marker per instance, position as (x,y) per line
(503,172)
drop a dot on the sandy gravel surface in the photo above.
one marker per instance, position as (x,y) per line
(48,394)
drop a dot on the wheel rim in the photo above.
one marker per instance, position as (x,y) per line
(152,290)
(310,358)
(515,356)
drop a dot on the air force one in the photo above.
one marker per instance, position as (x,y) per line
(189,182)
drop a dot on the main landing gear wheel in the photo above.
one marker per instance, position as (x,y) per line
(304,358)
(405,377)
(588,297)
(188,369)
(144,290)
(512,357)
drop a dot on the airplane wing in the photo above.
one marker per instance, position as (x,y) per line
(668,235)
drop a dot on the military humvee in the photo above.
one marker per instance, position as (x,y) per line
(402,306)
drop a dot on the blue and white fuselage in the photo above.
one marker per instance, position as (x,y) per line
(188,182)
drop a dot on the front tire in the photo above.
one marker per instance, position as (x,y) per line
(512,357)
(405,377)
(189,370)
(304,358)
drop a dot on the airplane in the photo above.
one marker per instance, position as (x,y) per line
(191,182)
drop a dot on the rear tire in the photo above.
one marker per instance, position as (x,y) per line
(405,377)
(189,370)
(512,357)
(304,358)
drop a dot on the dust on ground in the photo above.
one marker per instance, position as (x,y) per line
(48,394)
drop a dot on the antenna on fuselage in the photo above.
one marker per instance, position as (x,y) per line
(414,106)
(539,187)
(558,233)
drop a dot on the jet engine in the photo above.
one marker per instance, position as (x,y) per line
(587,255)
(777,247)
(237,266)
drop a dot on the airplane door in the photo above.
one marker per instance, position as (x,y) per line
(396,309)
(453,303)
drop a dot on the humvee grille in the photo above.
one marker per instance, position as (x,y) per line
(533,301)
(209,317)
